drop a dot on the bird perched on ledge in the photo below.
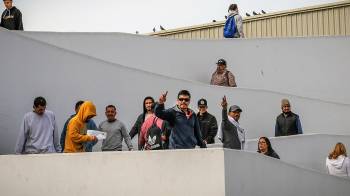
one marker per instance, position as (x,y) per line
(247,14)
(161,28)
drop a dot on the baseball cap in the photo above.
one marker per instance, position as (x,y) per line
(235,108)
(202,102)
(221,62)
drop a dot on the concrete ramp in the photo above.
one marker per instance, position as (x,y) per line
(308,67)
(308,151)
(182,172)
(30,68)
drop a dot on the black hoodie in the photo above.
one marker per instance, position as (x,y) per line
(12,19)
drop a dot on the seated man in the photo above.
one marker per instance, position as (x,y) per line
(223,77)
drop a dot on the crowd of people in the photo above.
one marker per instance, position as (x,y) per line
(178,127)
(157,128)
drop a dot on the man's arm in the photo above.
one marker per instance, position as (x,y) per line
(137,126)
(63,134)
(19,22)
(213,128)
(231,80)
(56,139)
(21,140)
(73,133)
(126,137)
(239,23)
(300,130)
(277,129)
(163,114)
(198,134)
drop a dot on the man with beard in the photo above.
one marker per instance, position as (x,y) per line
(147,112)
(185,132)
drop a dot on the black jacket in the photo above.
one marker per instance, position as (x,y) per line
(12,19)
(135,130)
(209,127)
(185,132)
(273,154)
(288,125)
(230,137)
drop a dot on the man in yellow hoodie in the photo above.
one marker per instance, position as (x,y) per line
(76,131)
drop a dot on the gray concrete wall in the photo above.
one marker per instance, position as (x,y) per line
(181,172)
(170,173)
(253,174)
(30,68)
(307,67)
(309,151)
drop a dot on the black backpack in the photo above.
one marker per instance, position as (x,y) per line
(154,137)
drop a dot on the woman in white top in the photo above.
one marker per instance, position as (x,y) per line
(337,162)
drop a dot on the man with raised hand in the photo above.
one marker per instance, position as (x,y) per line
(231,133)
(185,132)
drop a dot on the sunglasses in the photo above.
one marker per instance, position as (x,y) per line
(184,99)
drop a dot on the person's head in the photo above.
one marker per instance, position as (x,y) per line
(285,106)
(86,111)
(111,112)
(221,66)
(338,150)
(232,7)
(202,106)
(264,145)
(8,4)
(39,105)
(235,112)
(183,99)
(77,106)
(148,104)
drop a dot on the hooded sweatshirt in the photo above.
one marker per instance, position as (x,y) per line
(76,126)
(11,19)
(339,166)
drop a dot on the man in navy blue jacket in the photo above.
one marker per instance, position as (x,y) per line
(185,132)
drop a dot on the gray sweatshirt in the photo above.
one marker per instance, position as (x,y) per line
(38,134)
(116,132)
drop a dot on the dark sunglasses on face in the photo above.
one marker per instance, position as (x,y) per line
(184,99)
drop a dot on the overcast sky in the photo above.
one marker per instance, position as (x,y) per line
(142,15)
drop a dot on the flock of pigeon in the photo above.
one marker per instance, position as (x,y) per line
(254,13)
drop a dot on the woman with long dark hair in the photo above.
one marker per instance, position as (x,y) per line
(337,162)
(264,147)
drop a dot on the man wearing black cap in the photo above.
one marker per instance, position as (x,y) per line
(207,122)
(11,18)
(231,133)
(223,77)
